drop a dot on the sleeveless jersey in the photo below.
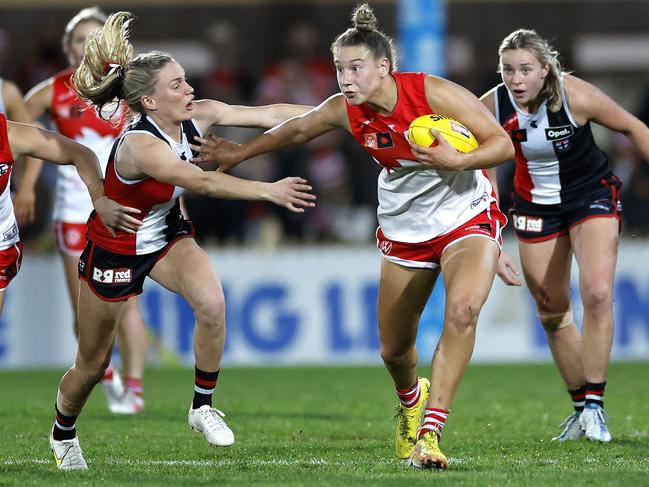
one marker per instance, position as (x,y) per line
(80,122)
(416,203)
(8,227)
(157,202)
(556,160)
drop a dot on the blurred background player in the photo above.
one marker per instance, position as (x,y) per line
(11,102)
(150,167)
(427,216)
(566,202)
(74,118)
(17,140)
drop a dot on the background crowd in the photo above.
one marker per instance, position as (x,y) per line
(226,63)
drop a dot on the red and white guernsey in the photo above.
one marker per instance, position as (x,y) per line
(556,159)
(8,227)
(416,203)
(157,202)
(80,122)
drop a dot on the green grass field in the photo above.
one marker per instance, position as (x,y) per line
(328,426)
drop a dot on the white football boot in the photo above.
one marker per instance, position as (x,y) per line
(68,454)
(571,429)
(593,422)
(130,403)
(209,421)
(114,391)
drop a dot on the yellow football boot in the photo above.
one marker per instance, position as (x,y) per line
(427,454)
(408,420)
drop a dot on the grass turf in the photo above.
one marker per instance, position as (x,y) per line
(328,426)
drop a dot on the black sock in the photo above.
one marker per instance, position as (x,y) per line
(204,385)
(64,426)
(595,393)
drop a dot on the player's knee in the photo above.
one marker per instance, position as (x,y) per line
(210,311)
(553,322)
(462,314)
(597,299)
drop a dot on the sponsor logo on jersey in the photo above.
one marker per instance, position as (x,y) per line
(482,199)
(11,233)
(558,133)
(460,129)
(4,169)
(370,141)
(112,276)
(519,135)
(528,223)
(380,140)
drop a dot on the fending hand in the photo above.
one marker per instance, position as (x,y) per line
(215,149)
(291,193)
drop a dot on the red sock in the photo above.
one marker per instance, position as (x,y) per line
(434,420)
(135,385)
(409,397)
(108,373)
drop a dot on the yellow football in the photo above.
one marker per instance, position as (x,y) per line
(453,131)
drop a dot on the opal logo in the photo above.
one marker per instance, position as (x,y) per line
(112,276)
(558,133)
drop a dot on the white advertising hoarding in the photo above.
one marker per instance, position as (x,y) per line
(305,305)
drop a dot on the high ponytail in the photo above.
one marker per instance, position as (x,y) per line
(108,71)
(107,53)
(365,32)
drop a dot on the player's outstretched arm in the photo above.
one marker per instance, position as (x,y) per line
(29,140)
(329,115)
(212,112)
(151,157)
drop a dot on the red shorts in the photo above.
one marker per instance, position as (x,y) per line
(488,224)
(70,237)
(10,260)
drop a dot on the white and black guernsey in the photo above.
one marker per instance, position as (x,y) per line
(556,159)
(157,201)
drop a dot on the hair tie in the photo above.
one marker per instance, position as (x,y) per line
(112,68)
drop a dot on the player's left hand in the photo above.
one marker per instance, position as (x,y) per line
(441,156)
(116,216)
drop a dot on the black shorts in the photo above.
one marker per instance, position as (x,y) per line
(535,223)
(117,277)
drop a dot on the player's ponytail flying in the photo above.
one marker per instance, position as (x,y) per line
(108,71)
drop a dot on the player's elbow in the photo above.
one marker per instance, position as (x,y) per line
(507,148)
(81,153)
